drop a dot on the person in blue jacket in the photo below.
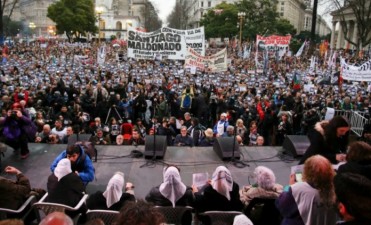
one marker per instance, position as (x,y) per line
(81,163)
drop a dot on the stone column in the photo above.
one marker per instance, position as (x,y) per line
(332,44)
(340,37)
(348,35)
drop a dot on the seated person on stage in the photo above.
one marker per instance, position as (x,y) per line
(358,158)
(100,139)
(208,139)
(45,136)
(221,194)
(113,198)
(135,139)
(139,213)
(312,200)
(14,193)
(183,139)
(81,163)
(69,131)
(329,139)
(265,186)
(172,192)
(64,186)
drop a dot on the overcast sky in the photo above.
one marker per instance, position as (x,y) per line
(164,7)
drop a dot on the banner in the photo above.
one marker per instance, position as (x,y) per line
(101,55)
(214,63)
(195,39)
(273,41)
(356,73)
(167,42)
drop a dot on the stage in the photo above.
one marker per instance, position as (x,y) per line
(143,173)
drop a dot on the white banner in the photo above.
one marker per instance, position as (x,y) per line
(356,73)
(101,55)
(214,63)
(167,42)
(195,39)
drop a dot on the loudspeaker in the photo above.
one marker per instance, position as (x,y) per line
(75,138)
(296,145)
(159,143)
(223,146)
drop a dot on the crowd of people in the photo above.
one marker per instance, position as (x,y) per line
(49,93)
(126,99)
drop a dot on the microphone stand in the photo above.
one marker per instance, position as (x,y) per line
(236,162)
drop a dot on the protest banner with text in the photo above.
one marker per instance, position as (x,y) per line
(213,63)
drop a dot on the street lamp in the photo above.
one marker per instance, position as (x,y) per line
(241,16)
(32,26)
(99,11)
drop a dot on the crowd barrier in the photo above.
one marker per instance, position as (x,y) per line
(357,120)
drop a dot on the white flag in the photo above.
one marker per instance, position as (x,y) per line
(301,49)
(101,55)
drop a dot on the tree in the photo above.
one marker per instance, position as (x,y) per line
(3,5)
(261,17)
(12,28)
(151,20)
(361,10)
(284,27)
(73,17)
(179,16)
(221,21)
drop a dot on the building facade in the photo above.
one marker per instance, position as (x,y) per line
(115,16)
(338,40)
(293,11)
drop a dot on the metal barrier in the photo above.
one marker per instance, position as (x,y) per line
(357,119)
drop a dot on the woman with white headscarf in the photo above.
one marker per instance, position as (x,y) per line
(172,192)
(113,198)
(64,186)
(221,194)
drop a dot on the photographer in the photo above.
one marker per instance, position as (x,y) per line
(14,130)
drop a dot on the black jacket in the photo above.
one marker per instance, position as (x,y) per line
(98,201)
(68,191)
(158,199)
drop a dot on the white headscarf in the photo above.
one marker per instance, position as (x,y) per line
(63,168)
(114,189)
(172,188)
(222,181)
(242,220)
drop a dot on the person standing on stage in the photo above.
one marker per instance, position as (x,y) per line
(329,139)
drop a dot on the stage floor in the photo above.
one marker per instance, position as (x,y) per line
(115,158)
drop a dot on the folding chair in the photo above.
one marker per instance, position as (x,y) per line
(23,211)
(49,207)
(221,217)
(108,216)
(174,215)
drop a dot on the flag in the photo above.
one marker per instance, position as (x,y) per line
(296,80)
(301,49)
(101,55)
(246,52)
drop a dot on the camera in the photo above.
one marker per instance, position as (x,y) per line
(14,114)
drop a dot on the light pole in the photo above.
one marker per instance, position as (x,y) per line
(241,16)
(99,11)
(32,26)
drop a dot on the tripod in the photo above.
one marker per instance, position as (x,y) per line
(117,113)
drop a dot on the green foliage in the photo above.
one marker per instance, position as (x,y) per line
(261,16)
(73,17)
(113,37)
(223,24)
(11,28)
(295,44)
(284,27)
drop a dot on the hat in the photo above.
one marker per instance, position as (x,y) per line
(209,132)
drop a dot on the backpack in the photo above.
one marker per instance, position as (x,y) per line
(88,148)
(186,101)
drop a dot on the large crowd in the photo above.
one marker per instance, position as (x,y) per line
(62,90)
(52,91)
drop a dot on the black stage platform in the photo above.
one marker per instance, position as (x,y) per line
(114,158)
